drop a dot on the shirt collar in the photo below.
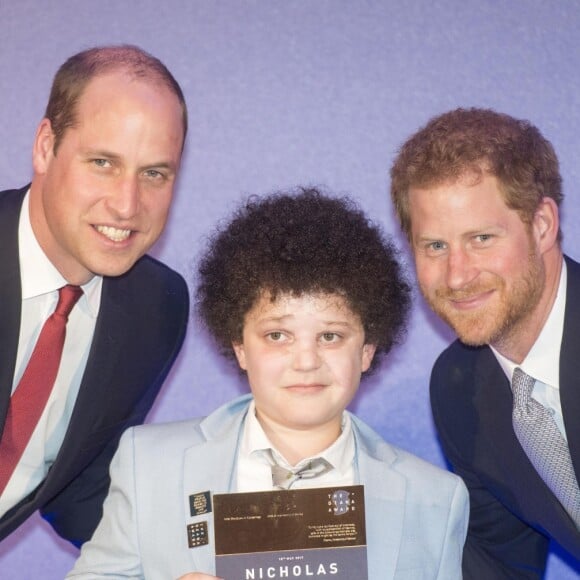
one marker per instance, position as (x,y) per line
(255,441)
(542,360)
(38,275)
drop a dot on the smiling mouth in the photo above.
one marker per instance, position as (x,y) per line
(472,301)
(113,234)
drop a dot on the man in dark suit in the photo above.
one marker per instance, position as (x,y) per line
(477,194)
(105,160)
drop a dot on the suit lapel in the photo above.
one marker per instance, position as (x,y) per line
(494,400)
(10,293)
(112,331)
(385,493)
(570,365)
(210,467)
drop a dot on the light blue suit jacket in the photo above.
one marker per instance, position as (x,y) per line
(416,514)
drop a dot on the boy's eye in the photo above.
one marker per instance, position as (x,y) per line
(275,336)
(101,162)
(330,337)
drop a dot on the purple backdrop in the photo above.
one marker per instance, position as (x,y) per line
(314,92)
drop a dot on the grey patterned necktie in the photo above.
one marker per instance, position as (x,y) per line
(283,478)
(543,443)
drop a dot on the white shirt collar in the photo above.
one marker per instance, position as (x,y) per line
(340,454)
(38,275)
(542,362)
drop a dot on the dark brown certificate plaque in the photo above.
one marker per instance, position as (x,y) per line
(306,533)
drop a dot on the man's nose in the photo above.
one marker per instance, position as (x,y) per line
(125,199)
(461,269)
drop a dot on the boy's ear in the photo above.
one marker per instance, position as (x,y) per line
(368,354)
(240,354)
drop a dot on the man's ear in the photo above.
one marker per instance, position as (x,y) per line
(546,224)
(240,354)
(43,147)
(368,354)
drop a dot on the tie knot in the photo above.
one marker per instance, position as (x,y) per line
(283,478)
(67,297)
(522,384)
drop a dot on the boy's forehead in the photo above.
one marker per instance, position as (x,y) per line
(289,303)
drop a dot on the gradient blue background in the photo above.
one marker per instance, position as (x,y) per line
(313,92)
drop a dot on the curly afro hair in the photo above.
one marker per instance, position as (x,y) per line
(297,243)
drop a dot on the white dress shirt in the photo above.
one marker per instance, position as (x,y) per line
(543,361)
(253,464)
(40,282)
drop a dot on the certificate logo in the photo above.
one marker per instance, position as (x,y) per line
(340,501)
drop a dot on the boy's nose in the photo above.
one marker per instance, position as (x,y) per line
(306,357)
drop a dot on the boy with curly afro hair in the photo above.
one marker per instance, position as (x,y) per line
(306,294)
(296,245)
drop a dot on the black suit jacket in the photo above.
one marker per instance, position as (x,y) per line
(513,512)
(138,334)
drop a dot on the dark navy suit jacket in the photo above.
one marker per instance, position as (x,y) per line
(139,331)
(513,512)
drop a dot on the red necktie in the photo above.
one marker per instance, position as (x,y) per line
(30,396)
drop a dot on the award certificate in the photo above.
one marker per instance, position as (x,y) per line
(304,533)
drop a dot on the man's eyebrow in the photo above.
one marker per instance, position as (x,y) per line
(100,153)
(160,165)
(103,153)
